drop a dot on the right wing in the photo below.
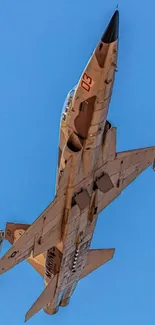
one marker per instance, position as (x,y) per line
(43,234)
(118,173)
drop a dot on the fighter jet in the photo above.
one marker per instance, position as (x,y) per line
(90,175)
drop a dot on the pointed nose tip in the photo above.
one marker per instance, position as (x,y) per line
(111,33)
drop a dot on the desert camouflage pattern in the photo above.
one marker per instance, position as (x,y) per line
(90,175)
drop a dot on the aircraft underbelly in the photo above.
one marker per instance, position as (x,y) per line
(78,220)
(68,278)
(87,119)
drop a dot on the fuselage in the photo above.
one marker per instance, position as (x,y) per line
(82,132)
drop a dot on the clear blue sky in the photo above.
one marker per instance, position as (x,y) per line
(44,46)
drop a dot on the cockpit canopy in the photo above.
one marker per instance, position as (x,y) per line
(67,102)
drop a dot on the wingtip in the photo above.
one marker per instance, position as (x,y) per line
(29,314)
(113,250)
(26,318)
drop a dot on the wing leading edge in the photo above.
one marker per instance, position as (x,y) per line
(43,234)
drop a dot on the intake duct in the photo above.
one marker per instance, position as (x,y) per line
(74,143)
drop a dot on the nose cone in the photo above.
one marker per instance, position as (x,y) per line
(111,33)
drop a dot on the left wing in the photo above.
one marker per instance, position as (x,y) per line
(43,234)
(118,173)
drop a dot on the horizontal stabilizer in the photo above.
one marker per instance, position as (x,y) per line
(96,258)
(46,296)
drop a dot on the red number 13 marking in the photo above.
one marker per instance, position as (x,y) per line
(86,82)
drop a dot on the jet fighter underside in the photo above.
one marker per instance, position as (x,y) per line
(90,175)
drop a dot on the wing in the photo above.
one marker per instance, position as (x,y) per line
(118,173)
(44,233)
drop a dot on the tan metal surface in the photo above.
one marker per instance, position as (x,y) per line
(1,239)
(96,258)
(38,263)
(43,298)
(34,239)
(10,231)
(90,176)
